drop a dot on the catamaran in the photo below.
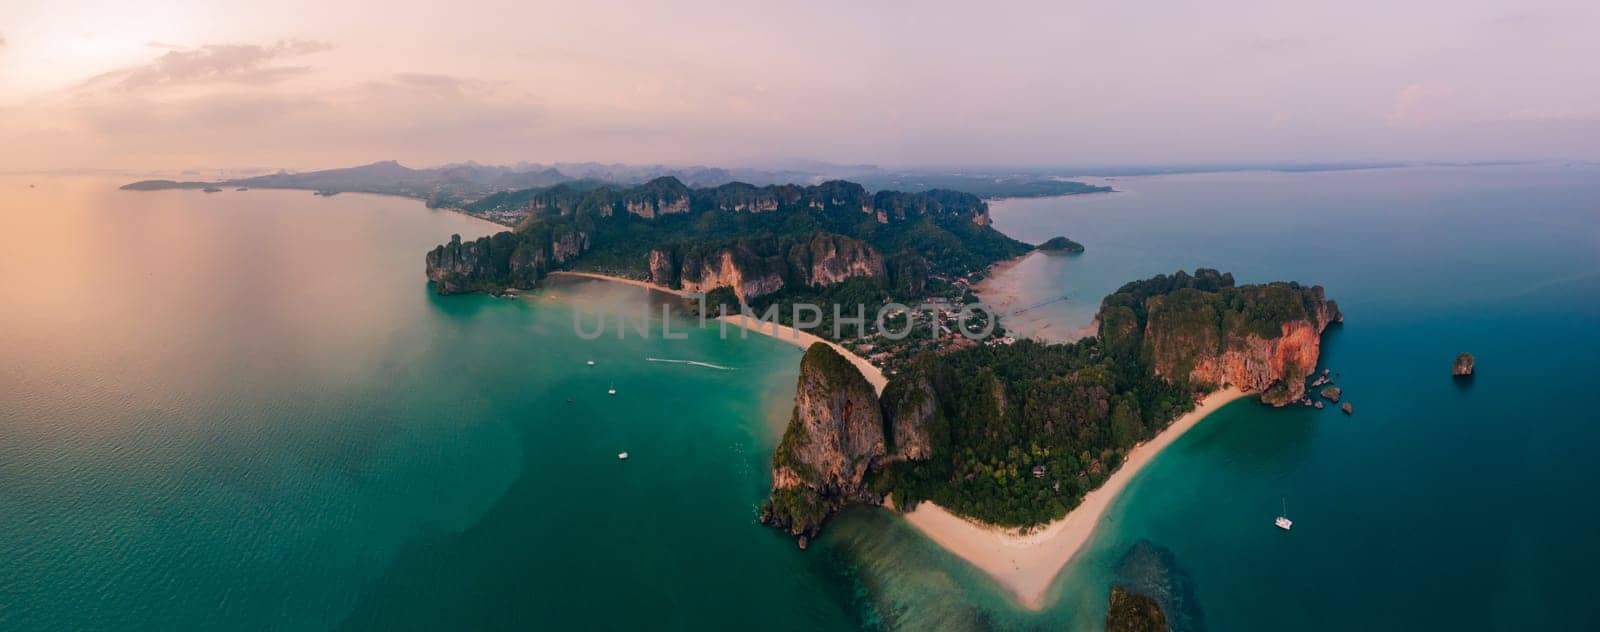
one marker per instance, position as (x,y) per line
(1283,521)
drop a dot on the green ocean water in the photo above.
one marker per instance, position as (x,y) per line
(244,410)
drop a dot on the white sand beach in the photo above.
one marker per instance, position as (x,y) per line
(801,339)
(1005,291)
(804,340)
(1026,563)
(601,277)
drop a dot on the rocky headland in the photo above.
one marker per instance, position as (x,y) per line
(754,240)
(834,437)
(1017,434)
(1204,329)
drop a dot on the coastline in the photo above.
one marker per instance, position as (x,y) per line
(1003,293)
(1001,297)
(804,340)
(615,279)
(1026,563)
(777,331)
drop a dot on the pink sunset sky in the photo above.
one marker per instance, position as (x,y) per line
(173,84)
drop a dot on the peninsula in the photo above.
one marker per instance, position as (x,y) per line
(1018,435)
(1007,452)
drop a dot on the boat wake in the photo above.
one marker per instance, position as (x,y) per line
(694,363)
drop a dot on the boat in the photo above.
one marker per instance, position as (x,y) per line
(591,363)
(622,456)
(612,391)
(1283,521)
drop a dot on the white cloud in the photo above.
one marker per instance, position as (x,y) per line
(232,63)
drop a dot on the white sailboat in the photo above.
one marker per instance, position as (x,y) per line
(591,363)
(623,456)
(1283,521)
(612,390)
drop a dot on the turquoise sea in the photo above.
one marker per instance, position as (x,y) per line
(244,410)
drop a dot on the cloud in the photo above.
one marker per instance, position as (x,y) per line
(249,64)
(409,116)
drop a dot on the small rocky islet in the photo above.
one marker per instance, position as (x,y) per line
(1060,245)
(1132,612)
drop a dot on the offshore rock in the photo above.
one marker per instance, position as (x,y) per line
(1133,612)
(1061,245)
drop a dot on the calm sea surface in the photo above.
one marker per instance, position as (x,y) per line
(245,410)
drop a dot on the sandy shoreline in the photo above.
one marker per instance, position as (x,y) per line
(804,340)
(777,331)
(1002,291)
(1027,563)
(1002,297)
(601,277)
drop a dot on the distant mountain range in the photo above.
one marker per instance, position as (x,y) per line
(463,186)
(468,186)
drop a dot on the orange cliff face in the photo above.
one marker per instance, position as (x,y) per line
(1260,365)
(1229,338)
(760,266)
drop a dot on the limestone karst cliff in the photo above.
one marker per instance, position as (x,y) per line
(486,264)
(833,438)
(503,260)
(666,196)
(910,410)
(1015,434)
(756,240)
(1204,329)
(755,267)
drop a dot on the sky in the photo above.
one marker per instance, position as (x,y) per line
(300,84)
